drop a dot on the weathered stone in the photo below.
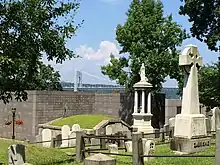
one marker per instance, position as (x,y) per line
(46,137)
(128,146)
(149,149)
(100,159)
(65,135)
(16,154)
(113,148)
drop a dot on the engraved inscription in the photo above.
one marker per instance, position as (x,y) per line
(201,144)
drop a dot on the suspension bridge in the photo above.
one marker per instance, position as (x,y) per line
(171,93)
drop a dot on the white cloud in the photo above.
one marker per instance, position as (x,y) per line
(90,62)
(102,54)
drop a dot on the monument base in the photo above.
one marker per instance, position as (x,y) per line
(188,146)
(142,122)
(190,126)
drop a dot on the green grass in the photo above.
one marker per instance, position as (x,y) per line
(164,150)
(85,121)
(37,155)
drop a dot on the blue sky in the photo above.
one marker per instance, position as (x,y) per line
(95,40)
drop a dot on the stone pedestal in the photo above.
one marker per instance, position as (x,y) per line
(187,146)
(100,159)
(142,113)
(190,126)
(143,122)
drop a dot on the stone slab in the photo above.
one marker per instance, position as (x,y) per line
(188,146)
(100,159)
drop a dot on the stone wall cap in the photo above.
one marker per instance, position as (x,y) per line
(99,157)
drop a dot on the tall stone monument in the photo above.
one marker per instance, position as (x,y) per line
(142,118)
(190,126)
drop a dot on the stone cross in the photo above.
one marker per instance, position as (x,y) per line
(190,60)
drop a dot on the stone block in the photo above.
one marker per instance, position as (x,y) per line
(113,148)
(190,126)
(188,146)
(100,159)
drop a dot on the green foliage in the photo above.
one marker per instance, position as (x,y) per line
(209,86)
(85,121)
(45,79)
(205,18)
(150,38)
(30,29)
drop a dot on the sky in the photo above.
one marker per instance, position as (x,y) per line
(95,40)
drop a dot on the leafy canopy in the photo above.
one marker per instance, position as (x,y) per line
(150,38)
(209,86)
(205,18)
(46,78)
(30,29)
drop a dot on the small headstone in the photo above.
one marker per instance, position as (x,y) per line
(128,146)
(109,130)
(215,122)
(166,129)
(149,149)
(95,141)
(46,137)
(16,154)
(113,148)
(59,140)
(76,127)
(65,130)
(172,122)
(100,159)
(72,142)
(72,134)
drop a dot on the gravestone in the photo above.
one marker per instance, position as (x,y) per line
(113,148)
(149,149)
(190,133)
(215,119)
(128,146)
(65,130)
(109,130)
(46,137)
(72,134)
(100,159)
(16,154)
(59,140)
(171,126)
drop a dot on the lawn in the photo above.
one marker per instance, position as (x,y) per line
(85,121)
(48,156)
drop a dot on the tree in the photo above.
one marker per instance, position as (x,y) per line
(150,38)
(30,29)
(205,18)
(209,86)
(45,79)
